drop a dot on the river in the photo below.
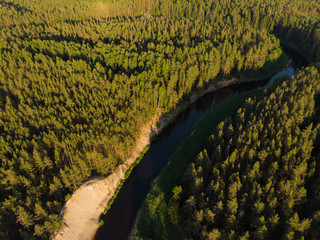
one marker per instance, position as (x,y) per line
(121,216)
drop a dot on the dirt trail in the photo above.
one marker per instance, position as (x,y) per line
(82,211)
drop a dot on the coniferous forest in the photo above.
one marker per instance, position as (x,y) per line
(257,176)
(79,78)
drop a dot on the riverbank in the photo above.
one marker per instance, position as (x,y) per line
(292,47)
(82,211)
(188,150)
(178,163)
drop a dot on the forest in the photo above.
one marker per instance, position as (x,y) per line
(257,177)
(78,80)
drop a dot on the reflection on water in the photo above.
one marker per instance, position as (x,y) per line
(120,217)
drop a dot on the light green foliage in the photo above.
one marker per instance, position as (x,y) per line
(78,79)
(271,147)
(251,188)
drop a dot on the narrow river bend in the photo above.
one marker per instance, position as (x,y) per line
(121,216)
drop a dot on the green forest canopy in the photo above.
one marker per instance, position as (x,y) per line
(78,79)
(258,176)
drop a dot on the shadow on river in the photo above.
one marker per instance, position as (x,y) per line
(121,216)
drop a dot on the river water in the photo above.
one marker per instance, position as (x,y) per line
(121,216)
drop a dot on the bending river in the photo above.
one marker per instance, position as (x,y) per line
(121,216)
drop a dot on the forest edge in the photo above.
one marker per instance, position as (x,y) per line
(81,213)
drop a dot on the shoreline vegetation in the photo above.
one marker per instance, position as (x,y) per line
(80,81)
(192,145)
(78,84)
(165,184)
(117,178)
(291,172)
(197,94)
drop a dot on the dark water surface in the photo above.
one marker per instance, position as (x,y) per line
(120,218)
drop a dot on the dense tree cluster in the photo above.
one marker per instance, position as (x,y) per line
(296,23)
(259,176)
(78,79)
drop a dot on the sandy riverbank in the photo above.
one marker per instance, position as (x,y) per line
(81,212)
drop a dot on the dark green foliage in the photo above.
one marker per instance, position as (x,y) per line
(78,79)
(179,161)
(260,165)
(258,176)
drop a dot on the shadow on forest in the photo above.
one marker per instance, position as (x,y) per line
(315,120)
(78,55)
(298,40)
(17,7)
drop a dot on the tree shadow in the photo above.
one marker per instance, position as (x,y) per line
(17,7)
(300,40)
